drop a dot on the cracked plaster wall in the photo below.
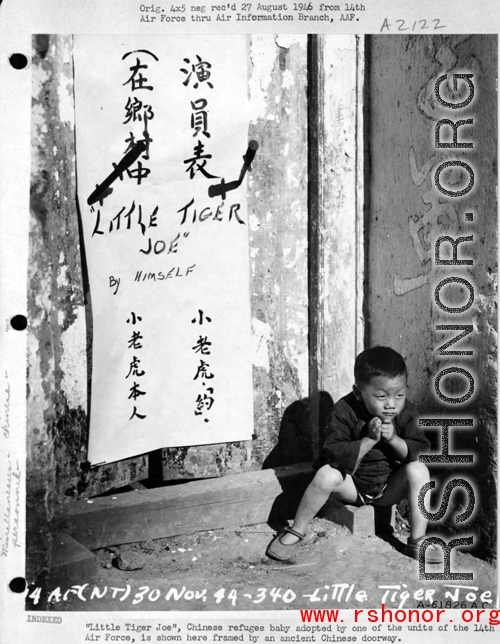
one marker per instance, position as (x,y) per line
(59,313)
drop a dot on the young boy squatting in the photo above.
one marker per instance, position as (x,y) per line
(370,453)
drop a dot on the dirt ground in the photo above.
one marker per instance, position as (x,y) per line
(228,570)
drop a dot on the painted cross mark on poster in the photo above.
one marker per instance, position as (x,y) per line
(158,121)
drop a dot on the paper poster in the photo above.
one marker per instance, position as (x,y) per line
(167,262)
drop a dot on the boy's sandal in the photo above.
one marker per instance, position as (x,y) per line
(284,551)
(433,554)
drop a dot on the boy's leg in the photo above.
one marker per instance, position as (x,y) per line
(326,481)
(406,482)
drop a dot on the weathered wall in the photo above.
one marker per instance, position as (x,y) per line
(340,249)
(58,306)
(407,214)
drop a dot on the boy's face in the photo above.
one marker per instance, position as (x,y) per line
(383,397)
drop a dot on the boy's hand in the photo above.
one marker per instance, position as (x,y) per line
(387,430)
(374,429)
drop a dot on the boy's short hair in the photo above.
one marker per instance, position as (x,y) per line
(378,361)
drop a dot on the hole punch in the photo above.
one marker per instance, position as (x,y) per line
(19,322)
(18,61)
(18,585)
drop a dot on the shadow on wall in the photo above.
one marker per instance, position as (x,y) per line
(295,446)
(294,441)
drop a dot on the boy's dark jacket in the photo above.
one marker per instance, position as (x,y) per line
(348,424)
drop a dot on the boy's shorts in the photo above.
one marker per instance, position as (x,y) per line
(362,497)
(366,499)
